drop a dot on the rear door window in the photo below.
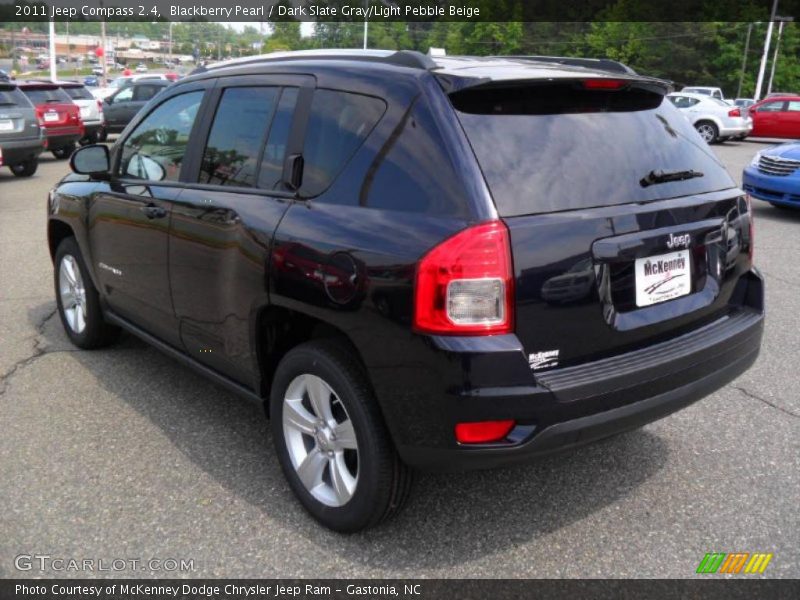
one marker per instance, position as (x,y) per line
(275,150)
(338,125)
(232,154)
(558,147)
(771,106)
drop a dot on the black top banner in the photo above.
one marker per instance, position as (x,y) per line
(396,10)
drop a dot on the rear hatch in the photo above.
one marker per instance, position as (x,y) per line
(54,107)
(89,106)
(17,115)
(625,228)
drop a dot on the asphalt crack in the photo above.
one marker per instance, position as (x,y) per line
(750,394)
(38,352)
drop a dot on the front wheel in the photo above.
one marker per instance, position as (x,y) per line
(331,441)
(78,301)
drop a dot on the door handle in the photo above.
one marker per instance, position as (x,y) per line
(152,211)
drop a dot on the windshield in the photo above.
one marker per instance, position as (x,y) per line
(588,157)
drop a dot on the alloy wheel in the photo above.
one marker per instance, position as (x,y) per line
(73,294)
(321,440)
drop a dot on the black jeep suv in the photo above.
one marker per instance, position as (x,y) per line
(415,263)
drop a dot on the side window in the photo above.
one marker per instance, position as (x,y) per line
(771,107)
(794,106)
(155,149)
(338,125)
(275,150)
(143,93)
(237,134)
(413,171)
(126,95)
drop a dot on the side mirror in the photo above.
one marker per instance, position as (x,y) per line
(91,160)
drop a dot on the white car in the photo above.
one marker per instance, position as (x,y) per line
(118,83)
(714,119)
(91,108)
(714,92)
(141,68)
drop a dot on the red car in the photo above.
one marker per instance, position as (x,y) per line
(777,117)
(58,115)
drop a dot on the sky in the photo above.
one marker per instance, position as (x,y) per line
(306,27)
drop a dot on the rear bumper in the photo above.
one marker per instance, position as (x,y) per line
(573,406)
(770,188)
(62,136)
(18,151)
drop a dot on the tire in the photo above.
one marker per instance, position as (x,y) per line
(373,482)
(25,169)
(708,131)
(64,151)
(83,320)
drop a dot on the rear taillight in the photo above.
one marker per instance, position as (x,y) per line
(735,113)
(99,106)
(40,116)
(465,285)
(483,432)
(604,84)
(1,157)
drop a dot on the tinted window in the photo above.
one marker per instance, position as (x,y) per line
(338,125)
(234,144)
(143,93)
(156,147)
(683,101)
(771,107)
(78,93)
(47,96)
(13,97)
(413,172)
(275,150)
(538,158)
(125,95)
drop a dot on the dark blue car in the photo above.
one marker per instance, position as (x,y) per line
(774,175)
(90,81)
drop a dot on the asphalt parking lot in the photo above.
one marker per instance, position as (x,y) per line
(124,454)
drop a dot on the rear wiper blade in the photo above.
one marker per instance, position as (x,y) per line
(654,177)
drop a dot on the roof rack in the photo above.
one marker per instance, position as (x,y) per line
(402,58)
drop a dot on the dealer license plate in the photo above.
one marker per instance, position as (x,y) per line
(50,117)
(663,277)
(6,125)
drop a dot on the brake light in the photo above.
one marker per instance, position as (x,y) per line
(465,285)
(99,106)
(483,432)
(604,84)
(735,113)
(1,157)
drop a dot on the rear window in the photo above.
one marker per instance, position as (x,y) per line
(47,95)
(556,147)
(11,96)
(78,93)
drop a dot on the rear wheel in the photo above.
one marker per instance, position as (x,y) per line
(708,131)
(25,169)
(331,441)
(78,301)
(64,151)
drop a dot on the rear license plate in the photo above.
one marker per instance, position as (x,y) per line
(6,125)
(663,277)
(50,117)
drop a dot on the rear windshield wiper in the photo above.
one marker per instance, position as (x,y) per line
(654,177)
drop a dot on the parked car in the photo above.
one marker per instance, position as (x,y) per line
(779,94)
(97,71)
(117,84)
(4,76)
(715,120)
(91,81)
(122,106)
(714,92)
(141,68)
(21,138)
(91,109)
(58,115)
(744,102)
(777,117)
(774,175)
(358,242)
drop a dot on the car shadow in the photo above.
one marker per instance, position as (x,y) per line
(450,518)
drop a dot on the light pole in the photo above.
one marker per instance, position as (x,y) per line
(781,21)
(765,56)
